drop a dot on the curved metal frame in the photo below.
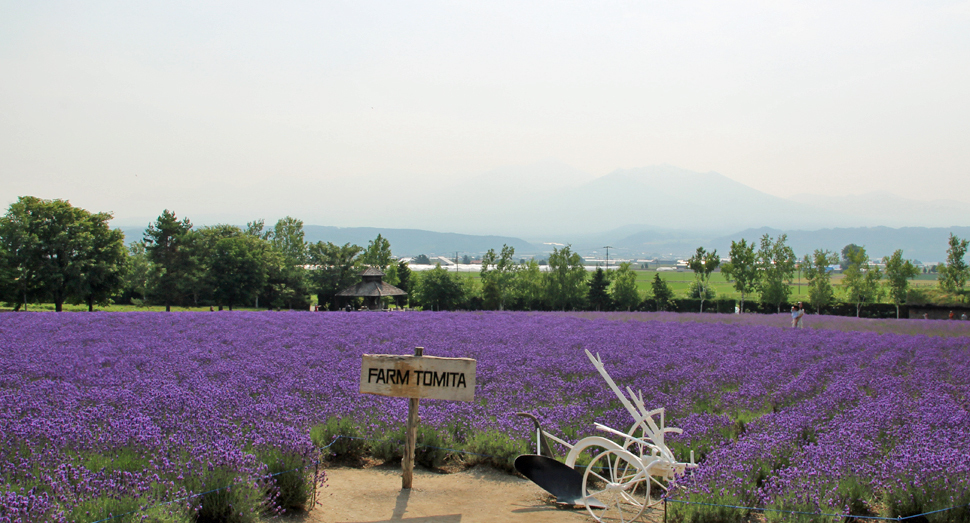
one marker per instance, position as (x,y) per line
(648,453)
(618,494)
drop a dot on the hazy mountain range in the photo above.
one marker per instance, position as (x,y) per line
(658,211)
(552,202)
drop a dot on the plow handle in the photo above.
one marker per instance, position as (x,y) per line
(543,444)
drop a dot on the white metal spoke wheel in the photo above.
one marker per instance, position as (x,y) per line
(616,487)
(658,490)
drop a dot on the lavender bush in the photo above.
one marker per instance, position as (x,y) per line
(109,413)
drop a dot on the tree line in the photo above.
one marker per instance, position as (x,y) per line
(51,251)
(770,270)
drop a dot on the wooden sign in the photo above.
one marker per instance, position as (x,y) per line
(418,377)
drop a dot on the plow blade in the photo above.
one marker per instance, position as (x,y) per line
(555,478)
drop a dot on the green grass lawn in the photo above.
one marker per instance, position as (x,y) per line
(678,281)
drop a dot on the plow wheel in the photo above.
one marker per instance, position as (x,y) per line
(617,481)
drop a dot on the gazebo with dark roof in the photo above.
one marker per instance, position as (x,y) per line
(372,288)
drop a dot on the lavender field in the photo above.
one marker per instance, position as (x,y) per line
(139,412)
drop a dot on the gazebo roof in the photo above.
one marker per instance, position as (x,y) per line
(372,286)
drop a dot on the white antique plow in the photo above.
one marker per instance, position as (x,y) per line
(623,478)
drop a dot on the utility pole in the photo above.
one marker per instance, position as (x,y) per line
(608,247)
(456,261)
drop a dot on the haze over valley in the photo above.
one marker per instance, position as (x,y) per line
(658,211)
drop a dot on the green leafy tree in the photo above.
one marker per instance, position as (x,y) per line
(288,239)
(440,289)
(421,259)
(287,286)
(566,280)
(168,246)
(953,274)
(287,278)
(403,282)
(8,275)
(898,274)
(257,228)
(497,274)
(24,264)
(860,281)
(776,269)
(199,282)
(847,251)
(390,275)
(102,266)
(703,264)
(662,293)
(624,292)
(816,267)
(489,277)
(238,269)
(61,251)
(136,275)
(599,296)
(528,286)
(742,268)
(335,268)
(63,242)
(378,253)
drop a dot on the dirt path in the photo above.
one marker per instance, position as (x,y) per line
(479,494)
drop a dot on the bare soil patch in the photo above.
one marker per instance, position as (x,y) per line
(478,494)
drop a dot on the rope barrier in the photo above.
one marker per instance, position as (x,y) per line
(418,446)
(191,496)
(665,499)
(821,514)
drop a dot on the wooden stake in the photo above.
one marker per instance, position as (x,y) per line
(411,438)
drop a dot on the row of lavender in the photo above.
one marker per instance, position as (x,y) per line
(113,412)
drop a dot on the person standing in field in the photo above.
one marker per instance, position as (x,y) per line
(794,316)
(800,320)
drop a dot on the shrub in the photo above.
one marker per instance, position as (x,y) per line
(690,513)
(225,498)
(907,500)
(128,510)
(430,449)
(494,448)
(122,509)
(694,291)
(292,483)
(325,436)
(391,448)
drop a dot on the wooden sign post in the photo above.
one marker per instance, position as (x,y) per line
(411,435)
(417,377)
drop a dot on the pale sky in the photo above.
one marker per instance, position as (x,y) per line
(257,108)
